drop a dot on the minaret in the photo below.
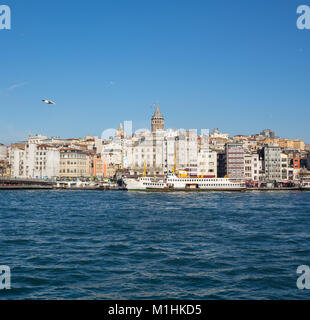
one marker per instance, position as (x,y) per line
(158,122)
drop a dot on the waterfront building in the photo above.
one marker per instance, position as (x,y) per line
(186,148)
(234,160)
(308,161)
(16,159)
(252,167)
(99,168)
(74,163)
(272,162)
(207,163)
(31,160)
(221,166)
(290,165)
(160,151)
(47,162)
(284,166)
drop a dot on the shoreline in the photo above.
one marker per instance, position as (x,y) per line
(17,188)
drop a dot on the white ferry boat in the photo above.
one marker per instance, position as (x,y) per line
(173,182)
(212,184)
(144,183)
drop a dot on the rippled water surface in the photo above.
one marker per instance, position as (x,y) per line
(122,245)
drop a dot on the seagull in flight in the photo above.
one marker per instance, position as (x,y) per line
(48,101)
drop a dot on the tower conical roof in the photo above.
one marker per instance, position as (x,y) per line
(157,113)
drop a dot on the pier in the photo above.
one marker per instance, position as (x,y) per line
(24,184)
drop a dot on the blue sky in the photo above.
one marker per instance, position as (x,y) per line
(241,66)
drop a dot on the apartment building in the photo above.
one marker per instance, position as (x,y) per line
(272,162)
(207,163)
(234,160)
(74,163)
(252,167)
(30,160)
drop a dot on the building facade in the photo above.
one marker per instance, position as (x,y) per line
(74,163)
(207,163)
(234,160)
(272,162)
(252,167)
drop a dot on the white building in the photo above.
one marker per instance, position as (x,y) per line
(217,134)
(17,161)
(187,151)
(161,151)
(47,162)
(207,163)
(284,167)
(252,167)
(145,148)
(31,160)
(37,139)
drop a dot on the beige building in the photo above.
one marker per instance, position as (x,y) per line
(74,163)
(291,144)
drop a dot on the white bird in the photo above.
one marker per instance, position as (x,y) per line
(48,101)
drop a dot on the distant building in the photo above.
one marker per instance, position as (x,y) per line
(291,144)
(217,134)
(3,152)
(268,133)
(37,139)
(158,122)
(308,161)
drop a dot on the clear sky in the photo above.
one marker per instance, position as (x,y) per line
(241,66)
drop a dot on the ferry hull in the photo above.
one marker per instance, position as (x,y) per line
(174,183)
(185,190)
